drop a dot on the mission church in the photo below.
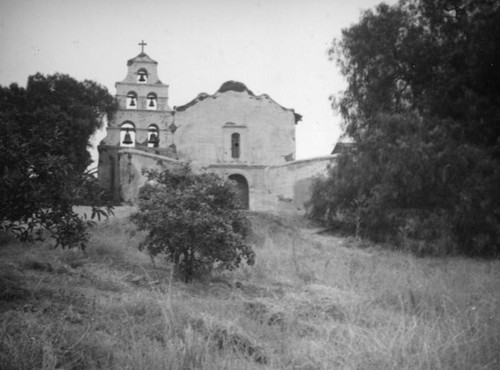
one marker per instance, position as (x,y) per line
(245,137)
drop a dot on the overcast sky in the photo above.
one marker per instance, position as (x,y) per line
(275,47)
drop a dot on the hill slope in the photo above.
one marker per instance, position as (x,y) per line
(310,302)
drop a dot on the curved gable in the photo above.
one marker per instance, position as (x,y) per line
(238,87)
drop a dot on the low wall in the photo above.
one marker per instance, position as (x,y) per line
(131,163)
(288,186)
(282,189)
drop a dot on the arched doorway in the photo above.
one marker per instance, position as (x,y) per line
(242,184)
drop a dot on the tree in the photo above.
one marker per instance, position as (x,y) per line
(423,106)
(194,220)
(433,57)
(45,132)
(55,107)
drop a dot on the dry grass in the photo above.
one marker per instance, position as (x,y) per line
(310,302)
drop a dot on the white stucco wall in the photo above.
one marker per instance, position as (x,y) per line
(267,130)
(280,189)
(131,163)
(287,187)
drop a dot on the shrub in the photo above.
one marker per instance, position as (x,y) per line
(194,220)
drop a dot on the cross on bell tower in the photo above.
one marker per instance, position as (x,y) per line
(142,44)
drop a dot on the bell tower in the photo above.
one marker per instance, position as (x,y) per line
(142,89)
(143,121)
(143,115)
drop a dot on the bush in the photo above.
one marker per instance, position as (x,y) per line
(194,220)
(36,202)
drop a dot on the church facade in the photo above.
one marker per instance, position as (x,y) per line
(239,135)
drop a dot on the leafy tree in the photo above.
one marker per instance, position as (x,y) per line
(194,220)
(45,132)
(423,105)
(433,57)
(55,107)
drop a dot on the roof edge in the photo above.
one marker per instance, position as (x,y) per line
(141,55)
(236,86)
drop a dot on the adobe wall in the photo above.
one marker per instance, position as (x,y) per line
(254,176)
(107,171)
(131,163)
(280,189)
(267,130)
(287,187)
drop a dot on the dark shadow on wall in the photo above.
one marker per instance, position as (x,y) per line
(242,184)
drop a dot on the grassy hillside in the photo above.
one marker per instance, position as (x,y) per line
(311,301)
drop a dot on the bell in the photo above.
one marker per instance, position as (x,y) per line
(142,78)
(153,139)
(127,139)
(132,102)
(151,103)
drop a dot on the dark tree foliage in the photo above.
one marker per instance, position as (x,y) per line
(423,105)
(55,107)
(194,220)
(438,58)
(45,132)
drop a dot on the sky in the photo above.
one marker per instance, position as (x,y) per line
(275,47)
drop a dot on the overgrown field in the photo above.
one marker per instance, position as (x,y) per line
(311,301)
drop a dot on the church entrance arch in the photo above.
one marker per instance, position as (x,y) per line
(242,184)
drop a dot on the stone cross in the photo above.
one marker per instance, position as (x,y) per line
(142,43)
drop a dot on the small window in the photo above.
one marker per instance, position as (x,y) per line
(153,136)
(127,134)
(142,76)
(152,101)
(235,145)
(131,100)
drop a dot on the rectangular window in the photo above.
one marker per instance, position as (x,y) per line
(235,145)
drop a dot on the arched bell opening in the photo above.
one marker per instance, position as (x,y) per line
(153,136)
(131,100)
(142,76)
(151,101)
(127,135)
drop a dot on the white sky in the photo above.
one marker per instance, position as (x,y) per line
(276,47)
